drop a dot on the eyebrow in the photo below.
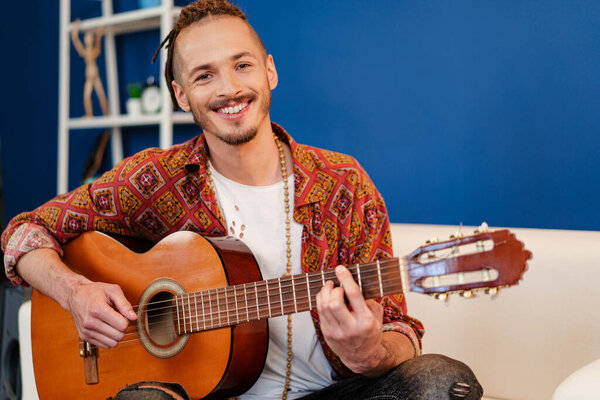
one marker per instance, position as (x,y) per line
(232,58)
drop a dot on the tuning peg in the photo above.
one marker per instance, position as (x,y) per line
(457,234)
(483,228)
(433,240)
(467,294)
(493,292)
(441,296)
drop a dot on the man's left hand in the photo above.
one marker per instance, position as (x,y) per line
(354,333)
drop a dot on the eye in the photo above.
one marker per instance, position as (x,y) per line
(243,65)
(202,77)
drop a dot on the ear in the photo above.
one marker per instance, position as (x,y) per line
(180,96)
(271,72)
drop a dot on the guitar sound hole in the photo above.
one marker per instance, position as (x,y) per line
(159,319)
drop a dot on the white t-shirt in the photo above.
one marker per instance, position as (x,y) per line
(255,215)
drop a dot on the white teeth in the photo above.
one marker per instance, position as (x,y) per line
(233,110)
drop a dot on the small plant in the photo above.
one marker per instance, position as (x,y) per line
(134,90)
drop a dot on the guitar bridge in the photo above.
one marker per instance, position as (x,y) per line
(89,352)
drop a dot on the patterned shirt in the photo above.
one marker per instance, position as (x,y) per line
(157,192)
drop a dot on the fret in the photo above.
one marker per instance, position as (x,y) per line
(359,278)
(178,320)
(227,306)
(237,314)
(294,294)
(212,323)
(184,318)
(218,307)
(268,297)
(196,309)
(323,277)
(246,301)
(379,277)
(190,310)
(280,296)
(256,299)
(203,314)
(308,292)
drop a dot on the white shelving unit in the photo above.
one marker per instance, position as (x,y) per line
(161,17)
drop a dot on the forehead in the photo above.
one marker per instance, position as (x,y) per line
(215,39)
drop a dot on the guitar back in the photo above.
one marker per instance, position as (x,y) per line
(225,360)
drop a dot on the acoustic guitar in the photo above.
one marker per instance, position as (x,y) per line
(203,307)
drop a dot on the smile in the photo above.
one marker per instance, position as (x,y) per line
(232,110)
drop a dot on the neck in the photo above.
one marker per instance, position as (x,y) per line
(255,163)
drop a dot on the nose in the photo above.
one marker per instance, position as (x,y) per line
(229,85)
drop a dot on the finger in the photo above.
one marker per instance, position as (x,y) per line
(327,322)
(338,309)
(332,307)
(117,298)
(100,340)
(104,313)
(351,289)
(105,321)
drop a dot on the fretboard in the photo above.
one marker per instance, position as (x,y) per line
(232,305)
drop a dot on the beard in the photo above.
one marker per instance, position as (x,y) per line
(238,134)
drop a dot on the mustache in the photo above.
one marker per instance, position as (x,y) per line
(238,99)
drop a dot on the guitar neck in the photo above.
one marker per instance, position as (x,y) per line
(232,305)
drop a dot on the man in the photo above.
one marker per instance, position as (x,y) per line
(237,178)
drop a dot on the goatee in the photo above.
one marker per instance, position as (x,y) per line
(235,138)
(237,135)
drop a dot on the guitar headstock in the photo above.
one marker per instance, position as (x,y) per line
(485,261)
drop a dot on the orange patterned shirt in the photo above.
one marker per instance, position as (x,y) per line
(157,192)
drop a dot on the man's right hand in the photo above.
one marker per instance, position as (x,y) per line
(101,312)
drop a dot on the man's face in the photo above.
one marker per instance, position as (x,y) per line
(224,78)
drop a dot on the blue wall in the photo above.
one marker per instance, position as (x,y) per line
(461,111)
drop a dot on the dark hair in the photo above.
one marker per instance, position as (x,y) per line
(190,14)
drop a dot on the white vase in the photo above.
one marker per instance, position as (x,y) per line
(134,107)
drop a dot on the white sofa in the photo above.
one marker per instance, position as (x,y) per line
(523,343)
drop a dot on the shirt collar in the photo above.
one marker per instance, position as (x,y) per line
(305,165)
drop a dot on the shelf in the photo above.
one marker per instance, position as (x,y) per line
(129,21)
(127,120)
(161,18)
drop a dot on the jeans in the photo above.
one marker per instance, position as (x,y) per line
(427,377)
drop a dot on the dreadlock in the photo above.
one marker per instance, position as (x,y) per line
(190,14)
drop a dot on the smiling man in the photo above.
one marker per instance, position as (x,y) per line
(298,208)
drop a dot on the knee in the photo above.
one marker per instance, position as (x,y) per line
(442,376)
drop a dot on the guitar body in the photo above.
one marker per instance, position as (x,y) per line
(220,362)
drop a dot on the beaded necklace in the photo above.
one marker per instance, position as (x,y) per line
(288,244)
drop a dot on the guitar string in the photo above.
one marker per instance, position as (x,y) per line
(217,318)
(316,277)
(300,278)
(300,301)
(227,311)
(286,289)
(383,263)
